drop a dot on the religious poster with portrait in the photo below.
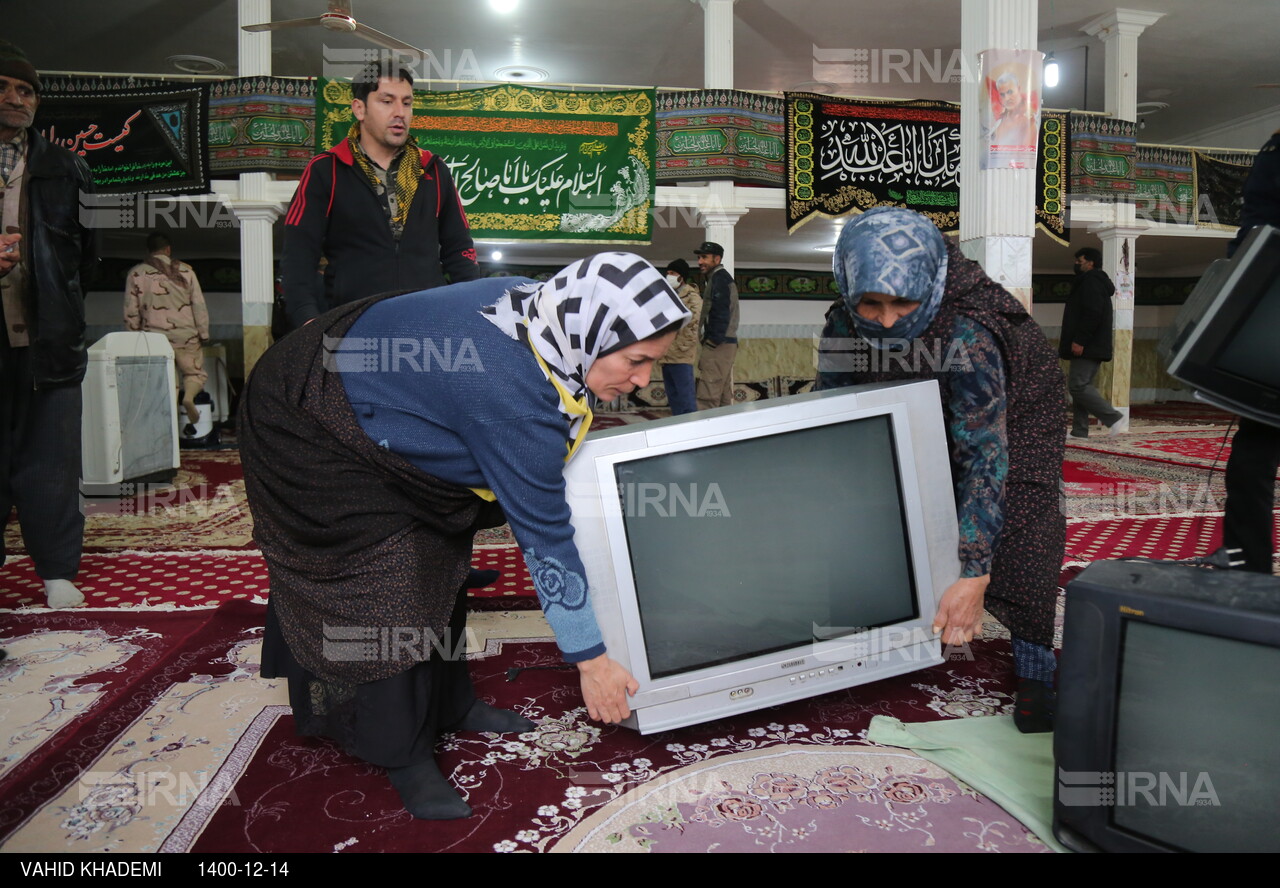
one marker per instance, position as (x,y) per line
(1009,104)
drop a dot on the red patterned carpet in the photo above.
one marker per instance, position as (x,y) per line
(164,739)
(144,729)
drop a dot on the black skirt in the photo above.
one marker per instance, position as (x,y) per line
(392,722)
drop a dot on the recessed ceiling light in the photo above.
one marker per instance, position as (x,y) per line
(521,74)
(502,7)
(196,64)
(818,86)
(496,255)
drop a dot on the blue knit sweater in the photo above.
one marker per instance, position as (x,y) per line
(441,386)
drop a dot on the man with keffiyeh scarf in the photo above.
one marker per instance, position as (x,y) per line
(383,211)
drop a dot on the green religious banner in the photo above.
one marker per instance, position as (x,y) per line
(261,124)
(533,164)
(1165,189)
(855,154)
(1103,165)
(721,134)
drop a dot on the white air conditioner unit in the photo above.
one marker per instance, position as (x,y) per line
(129,427)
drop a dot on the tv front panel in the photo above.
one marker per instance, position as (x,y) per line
(747,556)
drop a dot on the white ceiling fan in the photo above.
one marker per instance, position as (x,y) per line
(340,19)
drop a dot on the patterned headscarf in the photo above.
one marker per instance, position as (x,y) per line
(894,251)
(595,306)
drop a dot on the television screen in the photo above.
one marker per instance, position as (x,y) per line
(746,556)
(1195,739)
(796,537)
(1167,710)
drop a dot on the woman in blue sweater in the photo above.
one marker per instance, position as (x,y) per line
(377,439)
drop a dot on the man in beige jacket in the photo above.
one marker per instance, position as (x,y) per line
(162,295)
(678,363)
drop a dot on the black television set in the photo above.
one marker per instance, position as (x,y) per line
(1168,710)
(1224,343)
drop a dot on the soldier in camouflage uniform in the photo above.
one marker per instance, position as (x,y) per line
(162,295)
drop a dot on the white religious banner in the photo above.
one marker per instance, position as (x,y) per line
(1009,103)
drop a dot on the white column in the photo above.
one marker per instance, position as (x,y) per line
(721,208)
(717,43)
(257,257)
(256,213)
(1119,31)
(719,216)
(997,207)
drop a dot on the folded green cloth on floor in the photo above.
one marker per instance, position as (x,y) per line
(1013,769)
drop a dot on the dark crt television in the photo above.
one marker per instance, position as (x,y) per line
(1225,343)
(747,556)
(1168,710)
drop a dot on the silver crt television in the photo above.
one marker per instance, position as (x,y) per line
(748,556)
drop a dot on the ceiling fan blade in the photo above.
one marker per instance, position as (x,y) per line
(289,23)
(386,40)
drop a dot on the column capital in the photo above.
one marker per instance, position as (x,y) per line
(1121,22)
(1116,232)
(727,216)
(256,210)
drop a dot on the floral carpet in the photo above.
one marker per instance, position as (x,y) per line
(144,725)
(138,731)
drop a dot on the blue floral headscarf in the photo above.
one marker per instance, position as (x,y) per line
(894,251)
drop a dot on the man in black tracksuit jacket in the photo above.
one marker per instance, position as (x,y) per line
(1086,343)
(340,213)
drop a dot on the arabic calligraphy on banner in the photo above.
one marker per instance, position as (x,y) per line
(533,164)
(135,141)
(1103,161)
(847,154)
(721,134)
(261,124)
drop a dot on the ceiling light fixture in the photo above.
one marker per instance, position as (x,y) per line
(196,64)
(503,7)
(496,255)
(522,74)
(1051,72)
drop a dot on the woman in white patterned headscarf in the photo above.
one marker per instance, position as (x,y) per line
(368,483)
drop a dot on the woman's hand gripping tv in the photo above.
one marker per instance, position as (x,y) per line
(959,617)
(606,684)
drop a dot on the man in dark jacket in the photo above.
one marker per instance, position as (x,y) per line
(1086,343)
(1249,512)
(45,254)
(384,212)
(720,330)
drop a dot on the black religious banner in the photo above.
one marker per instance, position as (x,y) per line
(855,154)
(151,140)
(1220,185)
(1051,175)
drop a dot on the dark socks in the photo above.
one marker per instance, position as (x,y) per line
(478,579)
(1033,711)
(483,717)
(426,794)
